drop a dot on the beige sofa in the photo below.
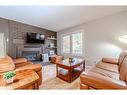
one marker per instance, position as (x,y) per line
(109,73)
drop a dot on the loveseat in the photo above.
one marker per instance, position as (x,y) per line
(7,64)
(109,73)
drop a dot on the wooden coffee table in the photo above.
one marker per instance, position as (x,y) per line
(69,71)
(27,79)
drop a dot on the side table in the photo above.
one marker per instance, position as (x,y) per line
(26,79)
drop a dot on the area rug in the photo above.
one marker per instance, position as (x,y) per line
(42,63)
(50,81)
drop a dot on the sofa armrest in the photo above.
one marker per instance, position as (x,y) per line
(56,59)
(19,60)
(110,60)
(35,67)
(99,81)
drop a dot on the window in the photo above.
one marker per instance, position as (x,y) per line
(72,43)
(66,44)
(77,43)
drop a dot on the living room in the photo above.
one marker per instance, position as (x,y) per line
(63,47)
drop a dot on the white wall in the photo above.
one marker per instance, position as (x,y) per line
(2,45)
(4,29)
(101,37)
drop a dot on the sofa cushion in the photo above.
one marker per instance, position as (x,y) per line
(110,60)
(19,60)
(22,64)
(107,66)
(105,73)
(6,64)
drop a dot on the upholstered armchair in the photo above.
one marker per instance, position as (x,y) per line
(7,64)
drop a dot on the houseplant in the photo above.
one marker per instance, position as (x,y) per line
(8,76)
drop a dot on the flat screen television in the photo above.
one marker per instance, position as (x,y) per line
(35,38)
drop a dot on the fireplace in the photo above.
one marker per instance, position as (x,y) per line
(31,52)
(31,55)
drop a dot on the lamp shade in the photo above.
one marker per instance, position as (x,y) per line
(123,39)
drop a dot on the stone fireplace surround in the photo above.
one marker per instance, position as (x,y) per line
(31,52)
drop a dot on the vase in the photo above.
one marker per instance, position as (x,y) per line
(10,80)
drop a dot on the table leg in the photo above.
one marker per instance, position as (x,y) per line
(36,86)
(84,65)
(70,75)
(56,70)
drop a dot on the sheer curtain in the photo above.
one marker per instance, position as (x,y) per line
(2,45)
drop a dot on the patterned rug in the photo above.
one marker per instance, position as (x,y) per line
(50,81)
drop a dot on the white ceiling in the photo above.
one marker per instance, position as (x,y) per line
(56,17)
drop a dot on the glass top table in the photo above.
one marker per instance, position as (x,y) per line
(74,62)
(73,69)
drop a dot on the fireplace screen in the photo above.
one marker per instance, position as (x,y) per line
(31,55)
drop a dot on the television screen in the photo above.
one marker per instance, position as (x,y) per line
(35,38)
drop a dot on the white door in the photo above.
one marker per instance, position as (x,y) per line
(2,45)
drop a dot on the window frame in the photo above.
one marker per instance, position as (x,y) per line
(70,34)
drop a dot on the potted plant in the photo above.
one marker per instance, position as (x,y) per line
(9,76)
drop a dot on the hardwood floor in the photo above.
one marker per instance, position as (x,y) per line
(50,81)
